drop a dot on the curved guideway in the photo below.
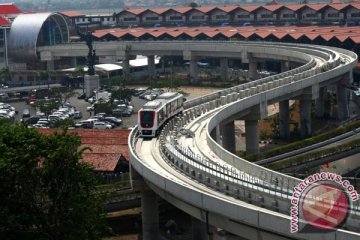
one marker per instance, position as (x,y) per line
(186,166)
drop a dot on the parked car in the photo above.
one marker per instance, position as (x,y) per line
(150,96)
(3,116)
(42,122)
(125,106)
(84,124)
(82,96)
(54,118)
(139,91)
(32,119)
(77,115)
(116,121)
(90,108)
(113,125)
(26,113)
(39,125)
(102,125)
(7,112)
(118,112)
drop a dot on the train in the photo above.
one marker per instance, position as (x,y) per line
(153,115)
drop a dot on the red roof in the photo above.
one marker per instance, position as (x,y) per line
(250,8)
(316,6)
(311,32)
(339,6)
(9,8)
(182,9)
(294,7)
(72,13)
(272,8)
(4,22)
(159,10)
(107,146)
(228,8)
(135,11)
(205,9)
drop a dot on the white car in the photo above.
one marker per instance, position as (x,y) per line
(61,115)
(102,125)
(43,121)
(7,106)
(39,125)
(54,118)
(7,112)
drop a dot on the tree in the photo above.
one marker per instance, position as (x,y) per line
(122,93)
(5,74)
(63,92)
(193,4)
(47,105)
(46,191)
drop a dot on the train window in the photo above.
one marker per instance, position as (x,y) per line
(161,116)
(168,110)
(175,104)
(147,119)
(179,102)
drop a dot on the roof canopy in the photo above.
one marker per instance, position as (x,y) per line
(29,31)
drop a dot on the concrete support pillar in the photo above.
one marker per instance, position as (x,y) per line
(126,67)
(151,66)
(320,103)
(252,136)
(284,66)
(342,102)
(193,70)
(92,83)
(305,117)
(253,74)
(199,230)
(73,62)
(217,130)
(150,215)
(224,65)
(284,112)
(228,136)
(50,67)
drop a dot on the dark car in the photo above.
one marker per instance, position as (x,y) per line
(114,120)
(84,124)
(121,112)
(26,113)
(32,120)
(82,96)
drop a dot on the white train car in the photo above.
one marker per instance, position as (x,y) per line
(154,114)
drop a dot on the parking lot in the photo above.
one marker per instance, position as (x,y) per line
(128,122)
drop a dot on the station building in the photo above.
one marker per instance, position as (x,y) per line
(22,33)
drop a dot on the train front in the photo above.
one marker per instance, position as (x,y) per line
(147,120)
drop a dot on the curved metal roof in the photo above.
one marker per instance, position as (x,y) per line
(25,31)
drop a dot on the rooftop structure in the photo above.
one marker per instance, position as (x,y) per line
(108,148)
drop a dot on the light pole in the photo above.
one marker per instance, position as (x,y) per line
(171,74)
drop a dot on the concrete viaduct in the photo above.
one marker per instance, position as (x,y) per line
(195,169)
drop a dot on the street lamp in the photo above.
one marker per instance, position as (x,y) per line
(171,76)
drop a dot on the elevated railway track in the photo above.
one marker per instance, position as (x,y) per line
(187,166)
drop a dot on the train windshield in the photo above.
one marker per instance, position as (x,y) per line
(147,119)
